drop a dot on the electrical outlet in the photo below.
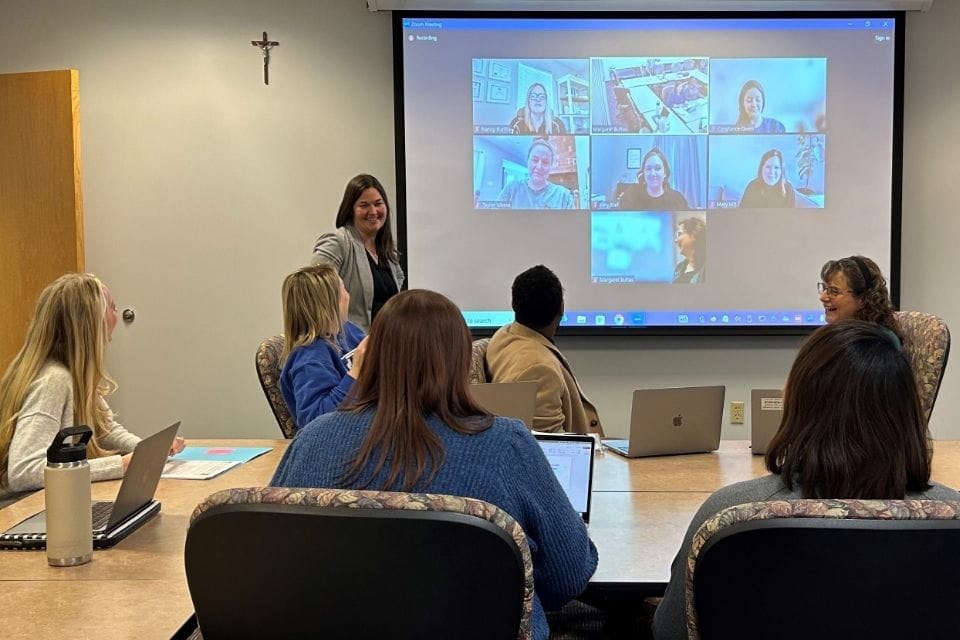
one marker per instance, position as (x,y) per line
(736,412)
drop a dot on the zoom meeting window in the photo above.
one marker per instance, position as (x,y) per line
(673,172)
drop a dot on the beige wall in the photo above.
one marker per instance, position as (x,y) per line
(931,176)
(203,188)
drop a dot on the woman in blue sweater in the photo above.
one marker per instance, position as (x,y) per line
(411,425)
(322,351)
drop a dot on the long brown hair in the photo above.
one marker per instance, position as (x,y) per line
(781,186)
(386,248)
(416,364)
(852,425)
(743,120)
(869,286)
(69,327)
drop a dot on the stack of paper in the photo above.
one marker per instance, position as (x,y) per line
(203,463)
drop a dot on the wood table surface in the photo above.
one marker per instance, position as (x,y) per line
(137,589)
(640,511)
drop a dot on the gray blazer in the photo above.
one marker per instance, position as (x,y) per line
(344,250)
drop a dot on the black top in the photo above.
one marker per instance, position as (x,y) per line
(760,195)
(384,286)
(637,199)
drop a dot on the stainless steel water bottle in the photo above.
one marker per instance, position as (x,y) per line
(66,480)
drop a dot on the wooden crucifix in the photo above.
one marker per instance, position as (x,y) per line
(265,46)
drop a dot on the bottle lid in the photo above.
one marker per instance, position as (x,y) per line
(62,449)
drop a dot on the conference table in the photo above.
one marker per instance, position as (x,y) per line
(640,511)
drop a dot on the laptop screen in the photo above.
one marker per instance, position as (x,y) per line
(571,458)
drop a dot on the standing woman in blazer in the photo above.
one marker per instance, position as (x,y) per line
(362,249)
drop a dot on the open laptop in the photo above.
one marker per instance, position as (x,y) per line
(672,421)
(766,410)
(112,521)
(508,399)
(571,458)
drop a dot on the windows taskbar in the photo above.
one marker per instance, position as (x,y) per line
(638,318)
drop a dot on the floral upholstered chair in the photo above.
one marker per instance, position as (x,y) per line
(478,361)
(927,345)
(826,569)
(337,564)
(268,371)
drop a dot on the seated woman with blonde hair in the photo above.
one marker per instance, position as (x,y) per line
(852,428)
(322,350)
(410,424)
(58,380)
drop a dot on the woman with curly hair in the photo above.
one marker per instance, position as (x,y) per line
(854,288)
(692,243)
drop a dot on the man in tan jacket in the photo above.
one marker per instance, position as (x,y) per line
(524,351)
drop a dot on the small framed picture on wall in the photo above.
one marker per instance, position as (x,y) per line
(498,93)
(500,71)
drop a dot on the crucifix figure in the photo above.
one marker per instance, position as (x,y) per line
(265,46)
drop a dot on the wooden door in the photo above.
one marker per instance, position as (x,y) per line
(41,202)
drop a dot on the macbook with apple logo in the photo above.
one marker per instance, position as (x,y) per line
(672,421)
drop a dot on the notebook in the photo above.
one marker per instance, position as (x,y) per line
(672,421)
(508,399)
(766,409)
(112,521)
(571,458)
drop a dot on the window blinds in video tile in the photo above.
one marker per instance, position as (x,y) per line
(644,143)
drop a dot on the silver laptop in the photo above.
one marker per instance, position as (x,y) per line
(112,521)
(571,458)
(508,399)
(766,410)
(672,421)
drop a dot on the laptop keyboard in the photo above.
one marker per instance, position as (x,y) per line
(101,514)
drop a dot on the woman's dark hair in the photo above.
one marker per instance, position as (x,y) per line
(852,425)
(386,249)
(536,297)
(696,228)
(743,120)
(869,286)
(666,168)
(416,365)
(774,153)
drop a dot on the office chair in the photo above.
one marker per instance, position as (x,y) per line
(826,569)
(478,361)
(268,372)
(339,564)
(927,345)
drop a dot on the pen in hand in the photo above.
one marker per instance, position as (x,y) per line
(353,359)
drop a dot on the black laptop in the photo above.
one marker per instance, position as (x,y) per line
(112,521)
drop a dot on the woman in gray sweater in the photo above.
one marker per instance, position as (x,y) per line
(852,427)
(58,380)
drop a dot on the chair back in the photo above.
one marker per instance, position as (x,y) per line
(926,340)
(478,361)
(338,564)
(268,372)
(826,569)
